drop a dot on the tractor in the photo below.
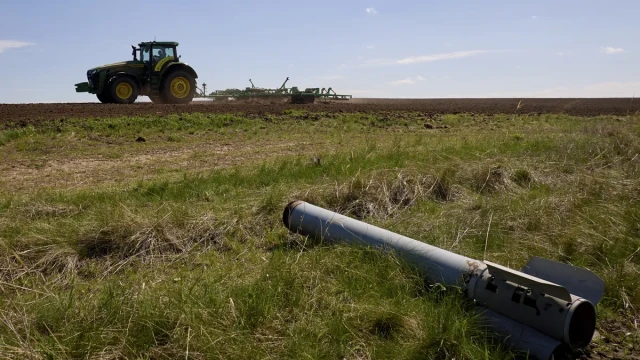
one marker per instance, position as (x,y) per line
(155,71)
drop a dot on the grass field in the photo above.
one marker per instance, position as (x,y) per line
(160,237)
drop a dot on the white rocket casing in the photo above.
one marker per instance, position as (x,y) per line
(542,307)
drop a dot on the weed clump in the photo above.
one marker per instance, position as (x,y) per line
(522,177)
(129,240)
(386,326)
(381,196)
(442,188)
(491,179)
(56,260)
(375,197)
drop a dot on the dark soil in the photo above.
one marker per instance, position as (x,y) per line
(23,114)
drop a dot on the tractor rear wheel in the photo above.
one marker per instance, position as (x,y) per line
(105,97)
(123,90)
(179,87)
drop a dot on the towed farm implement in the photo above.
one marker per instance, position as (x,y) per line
(297,96)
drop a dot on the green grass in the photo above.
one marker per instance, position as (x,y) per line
(197,264)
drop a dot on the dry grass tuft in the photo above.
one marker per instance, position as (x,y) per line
(489,179)
(378,196)
(170,352)
(58,261)
(386,326)
(382,195)
(146,241)
(14,321)
(121,241)
(41,210)
(523,178)
(442,188)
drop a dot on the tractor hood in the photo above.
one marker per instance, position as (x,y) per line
(117,65)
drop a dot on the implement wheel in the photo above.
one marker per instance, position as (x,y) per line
(123,90)
(179,87)
(302,99)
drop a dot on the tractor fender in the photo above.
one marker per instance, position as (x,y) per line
(178,66)
(122,73)
(105,77)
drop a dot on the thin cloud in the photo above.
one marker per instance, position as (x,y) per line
(10,44)
(369,46)
(371,11)
(407,81)
(444,56)
(564,53)
(332,77)
(534,17)
(609,50)
(378,62)
(425,58)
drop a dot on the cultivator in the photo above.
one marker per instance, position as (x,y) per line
(297,96)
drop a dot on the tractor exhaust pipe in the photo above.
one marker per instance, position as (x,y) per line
(542,309)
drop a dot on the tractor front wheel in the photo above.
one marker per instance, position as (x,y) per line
(179,87)
(105,97)
(123,90)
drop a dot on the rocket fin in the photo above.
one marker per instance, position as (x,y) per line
(578,281)
(529,281)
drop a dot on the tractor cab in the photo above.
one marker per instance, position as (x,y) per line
(155,55)
(155,71)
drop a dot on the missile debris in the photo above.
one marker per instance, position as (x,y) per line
(544,308)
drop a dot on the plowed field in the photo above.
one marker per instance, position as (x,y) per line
(31,113)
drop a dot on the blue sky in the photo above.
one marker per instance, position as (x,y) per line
(374,48)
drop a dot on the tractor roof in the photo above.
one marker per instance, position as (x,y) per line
(170,43)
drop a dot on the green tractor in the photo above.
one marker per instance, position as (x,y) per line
(155,71)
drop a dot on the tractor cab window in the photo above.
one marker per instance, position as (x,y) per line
(144,54)
(156,53)
(161,52)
